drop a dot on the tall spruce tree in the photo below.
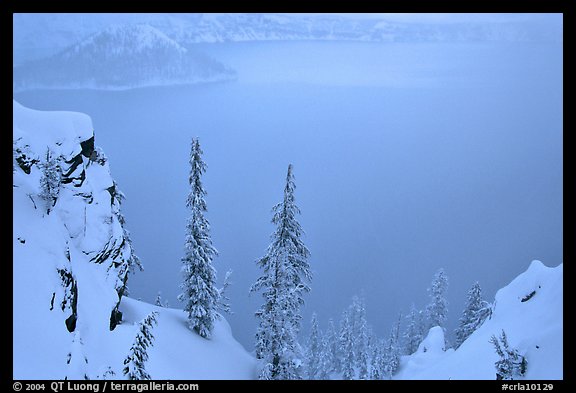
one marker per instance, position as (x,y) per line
(437,309)
(475,313)
(200,294)
(283,284)
(135,362)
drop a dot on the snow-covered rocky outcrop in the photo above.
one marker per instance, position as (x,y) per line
(529,310)
(121,57)
(71,260)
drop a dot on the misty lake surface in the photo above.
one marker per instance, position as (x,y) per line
(407,157)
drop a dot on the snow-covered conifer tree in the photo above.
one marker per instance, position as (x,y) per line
(283,284)
(158,300)
(314,350)
(200,294)
(224,300)
(135,362)
(347,347)
(377,362)
(475,313)
(511,364)
(332,348)
(50,180)
(413,334)
(363,350)
(393,351)
(325,363)
(437,309)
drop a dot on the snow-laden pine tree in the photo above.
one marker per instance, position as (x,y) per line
(224,300)
(393,351)
(413,333)
(359,326)
(133,262)
(135,362)
(325,363)
(510,365)
(363,350)
(200,294)
(332,349)
(129,261)
(50,180)
(347,343)
(283,283)
(377,361)
(475,313)
(314,350)
(158,300)
(437,309)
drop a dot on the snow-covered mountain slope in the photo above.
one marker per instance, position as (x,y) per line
(121,57)
(276,27)
(70,268)
(35,35)
(529,310)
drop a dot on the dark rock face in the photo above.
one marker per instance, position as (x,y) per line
(87,147)
(71,175)
(24,162)
(115,318)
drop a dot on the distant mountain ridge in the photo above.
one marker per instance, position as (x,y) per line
(36,35)
(119,57)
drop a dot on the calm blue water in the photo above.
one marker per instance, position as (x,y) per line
(407,158)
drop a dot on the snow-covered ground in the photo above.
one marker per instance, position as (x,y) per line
(83,224)
(533,326)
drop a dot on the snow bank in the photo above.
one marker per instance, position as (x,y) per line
(529,309)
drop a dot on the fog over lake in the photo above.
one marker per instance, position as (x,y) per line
(408,157)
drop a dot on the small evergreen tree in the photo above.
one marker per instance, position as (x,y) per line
(200,294)
(325,364)
(332,349)
(224,300)
(283,284)
(314,350)
(392,352)
(475,313)
(363,351)
(50,180)
(134,364)
(347,347)
(158,300)
(511,364)
(437,309)
(413,334)
(377,362)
